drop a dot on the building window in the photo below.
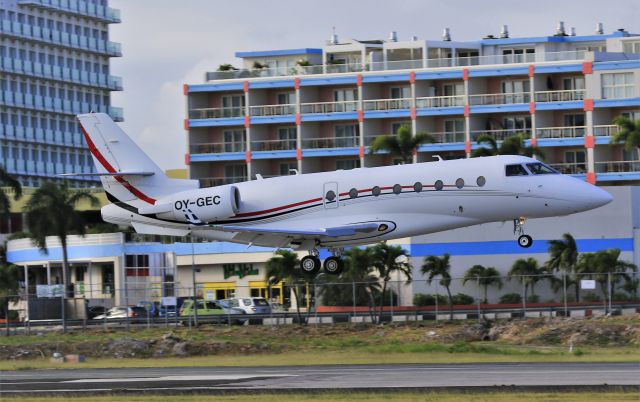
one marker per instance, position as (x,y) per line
(633,115)
(453,89)
(288,168)
(286,98)
(400,92)
(396,126)
(631,47)
(235,173)
(617,85)
(574,120)
(234,103)
(591,48)
(346,135)
(576,158)
(345,95)
(347,164)
(518,55)
(234,140)
(288,136)
(573,83)
(517,123)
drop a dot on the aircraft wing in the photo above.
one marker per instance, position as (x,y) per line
(351,229)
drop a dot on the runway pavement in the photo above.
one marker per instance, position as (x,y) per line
(311,378)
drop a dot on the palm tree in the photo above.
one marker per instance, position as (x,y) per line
(9,288)
(386,260)
(439,266)
(285,267)
(628,133)
(359,272)
(564,258)
(402,145)
(51,212)
(484,276)
(6,180)
(610,268)
(512,145)
(529,272)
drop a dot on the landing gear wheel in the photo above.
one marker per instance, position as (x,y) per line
(525,241)
(333,265)
(310,265)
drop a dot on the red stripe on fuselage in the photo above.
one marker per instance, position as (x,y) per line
(266,211)
(105,163)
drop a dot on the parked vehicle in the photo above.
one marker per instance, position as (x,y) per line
(152,307)
(94,311)
(170,311)
(250,305)
(212,311)
(133,313)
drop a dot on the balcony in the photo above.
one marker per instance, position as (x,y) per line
(116,113)
(216,113)
(618,167)
(329,107)
(272,110)
(499,99)
(500,135)
(449,137)
(570,168)
(412,64)
(560,96)
(217,147)
(331,142)
(439,101)
(219,181)
(273,145)
(387,104)
(561,132)
(75,7)
(605,130)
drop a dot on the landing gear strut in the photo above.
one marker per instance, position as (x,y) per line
(524,241)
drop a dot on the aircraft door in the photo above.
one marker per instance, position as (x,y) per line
(330,195)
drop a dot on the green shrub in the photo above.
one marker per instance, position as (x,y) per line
(533,299)
(462,298)
(510,298)
(592,297)
(422,299)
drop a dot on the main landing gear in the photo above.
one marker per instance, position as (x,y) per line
(524,241)
(333,265)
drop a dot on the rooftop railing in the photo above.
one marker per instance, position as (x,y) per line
(618,166)
(561,132)
(85,8)
(330,142)
(560,96)
(412,64)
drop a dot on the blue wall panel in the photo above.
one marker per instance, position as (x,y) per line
(273,119)
(383,114)
(273,154)
(559,105)
(306,82)
(385,78)
(499,108)
(233,121)
(314,153)
(227,86)
(436,111)
(329,116)
(227,156)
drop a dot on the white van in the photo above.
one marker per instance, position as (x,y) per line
(250,305)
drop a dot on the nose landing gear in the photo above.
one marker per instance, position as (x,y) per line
(524,241)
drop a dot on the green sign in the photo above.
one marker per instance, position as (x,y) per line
(239,270)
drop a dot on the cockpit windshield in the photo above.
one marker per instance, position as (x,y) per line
(516,170)
(541,168)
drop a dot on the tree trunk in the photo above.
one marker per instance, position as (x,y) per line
(372,304)
(450,303)
(384,289)
(306,320)
(577,287)
(295,293)
(65,282)
(485,293)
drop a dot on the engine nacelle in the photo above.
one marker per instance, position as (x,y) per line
(198,206)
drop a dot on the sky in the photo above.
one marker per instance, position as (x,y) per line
(167,43)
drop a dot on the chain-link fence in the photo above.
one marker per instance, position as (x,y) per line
(142,303)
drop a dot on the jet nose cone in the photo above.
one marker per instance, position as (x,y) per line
(598,197)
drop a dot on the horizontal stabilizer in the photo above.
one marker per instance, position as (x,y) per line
(144,228)
(109,174)
(336,231)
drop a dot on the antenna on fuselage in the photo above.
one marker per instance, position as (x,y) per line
(438,157)
(295,171)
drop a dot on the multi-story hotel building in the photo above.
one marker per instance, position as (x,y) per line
(54,64)
(318,109)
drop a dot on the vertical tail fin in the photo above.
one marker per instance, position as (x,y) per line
(114,152)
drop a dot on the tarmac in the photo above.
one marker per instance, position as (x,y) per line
(387,377)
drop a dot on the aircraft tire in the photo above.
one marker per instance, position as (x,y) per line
(310,265)
(333,265)
(525,241)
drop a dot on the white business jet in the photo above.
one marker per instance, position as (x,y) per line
(330,209)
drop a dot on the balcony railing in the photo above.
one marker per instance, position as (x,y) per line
(605,130)
(219,181)
(618,167)
(216,113)
(217,147)
(387,104)
(499,99)
(570,168)
(272,110)
(329,107)
(273,145)
(449,137)
(500,135)
(116,113)
(439,101)
(85,8)
(331,142)
(561,132)
(560,96)
(412,64)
